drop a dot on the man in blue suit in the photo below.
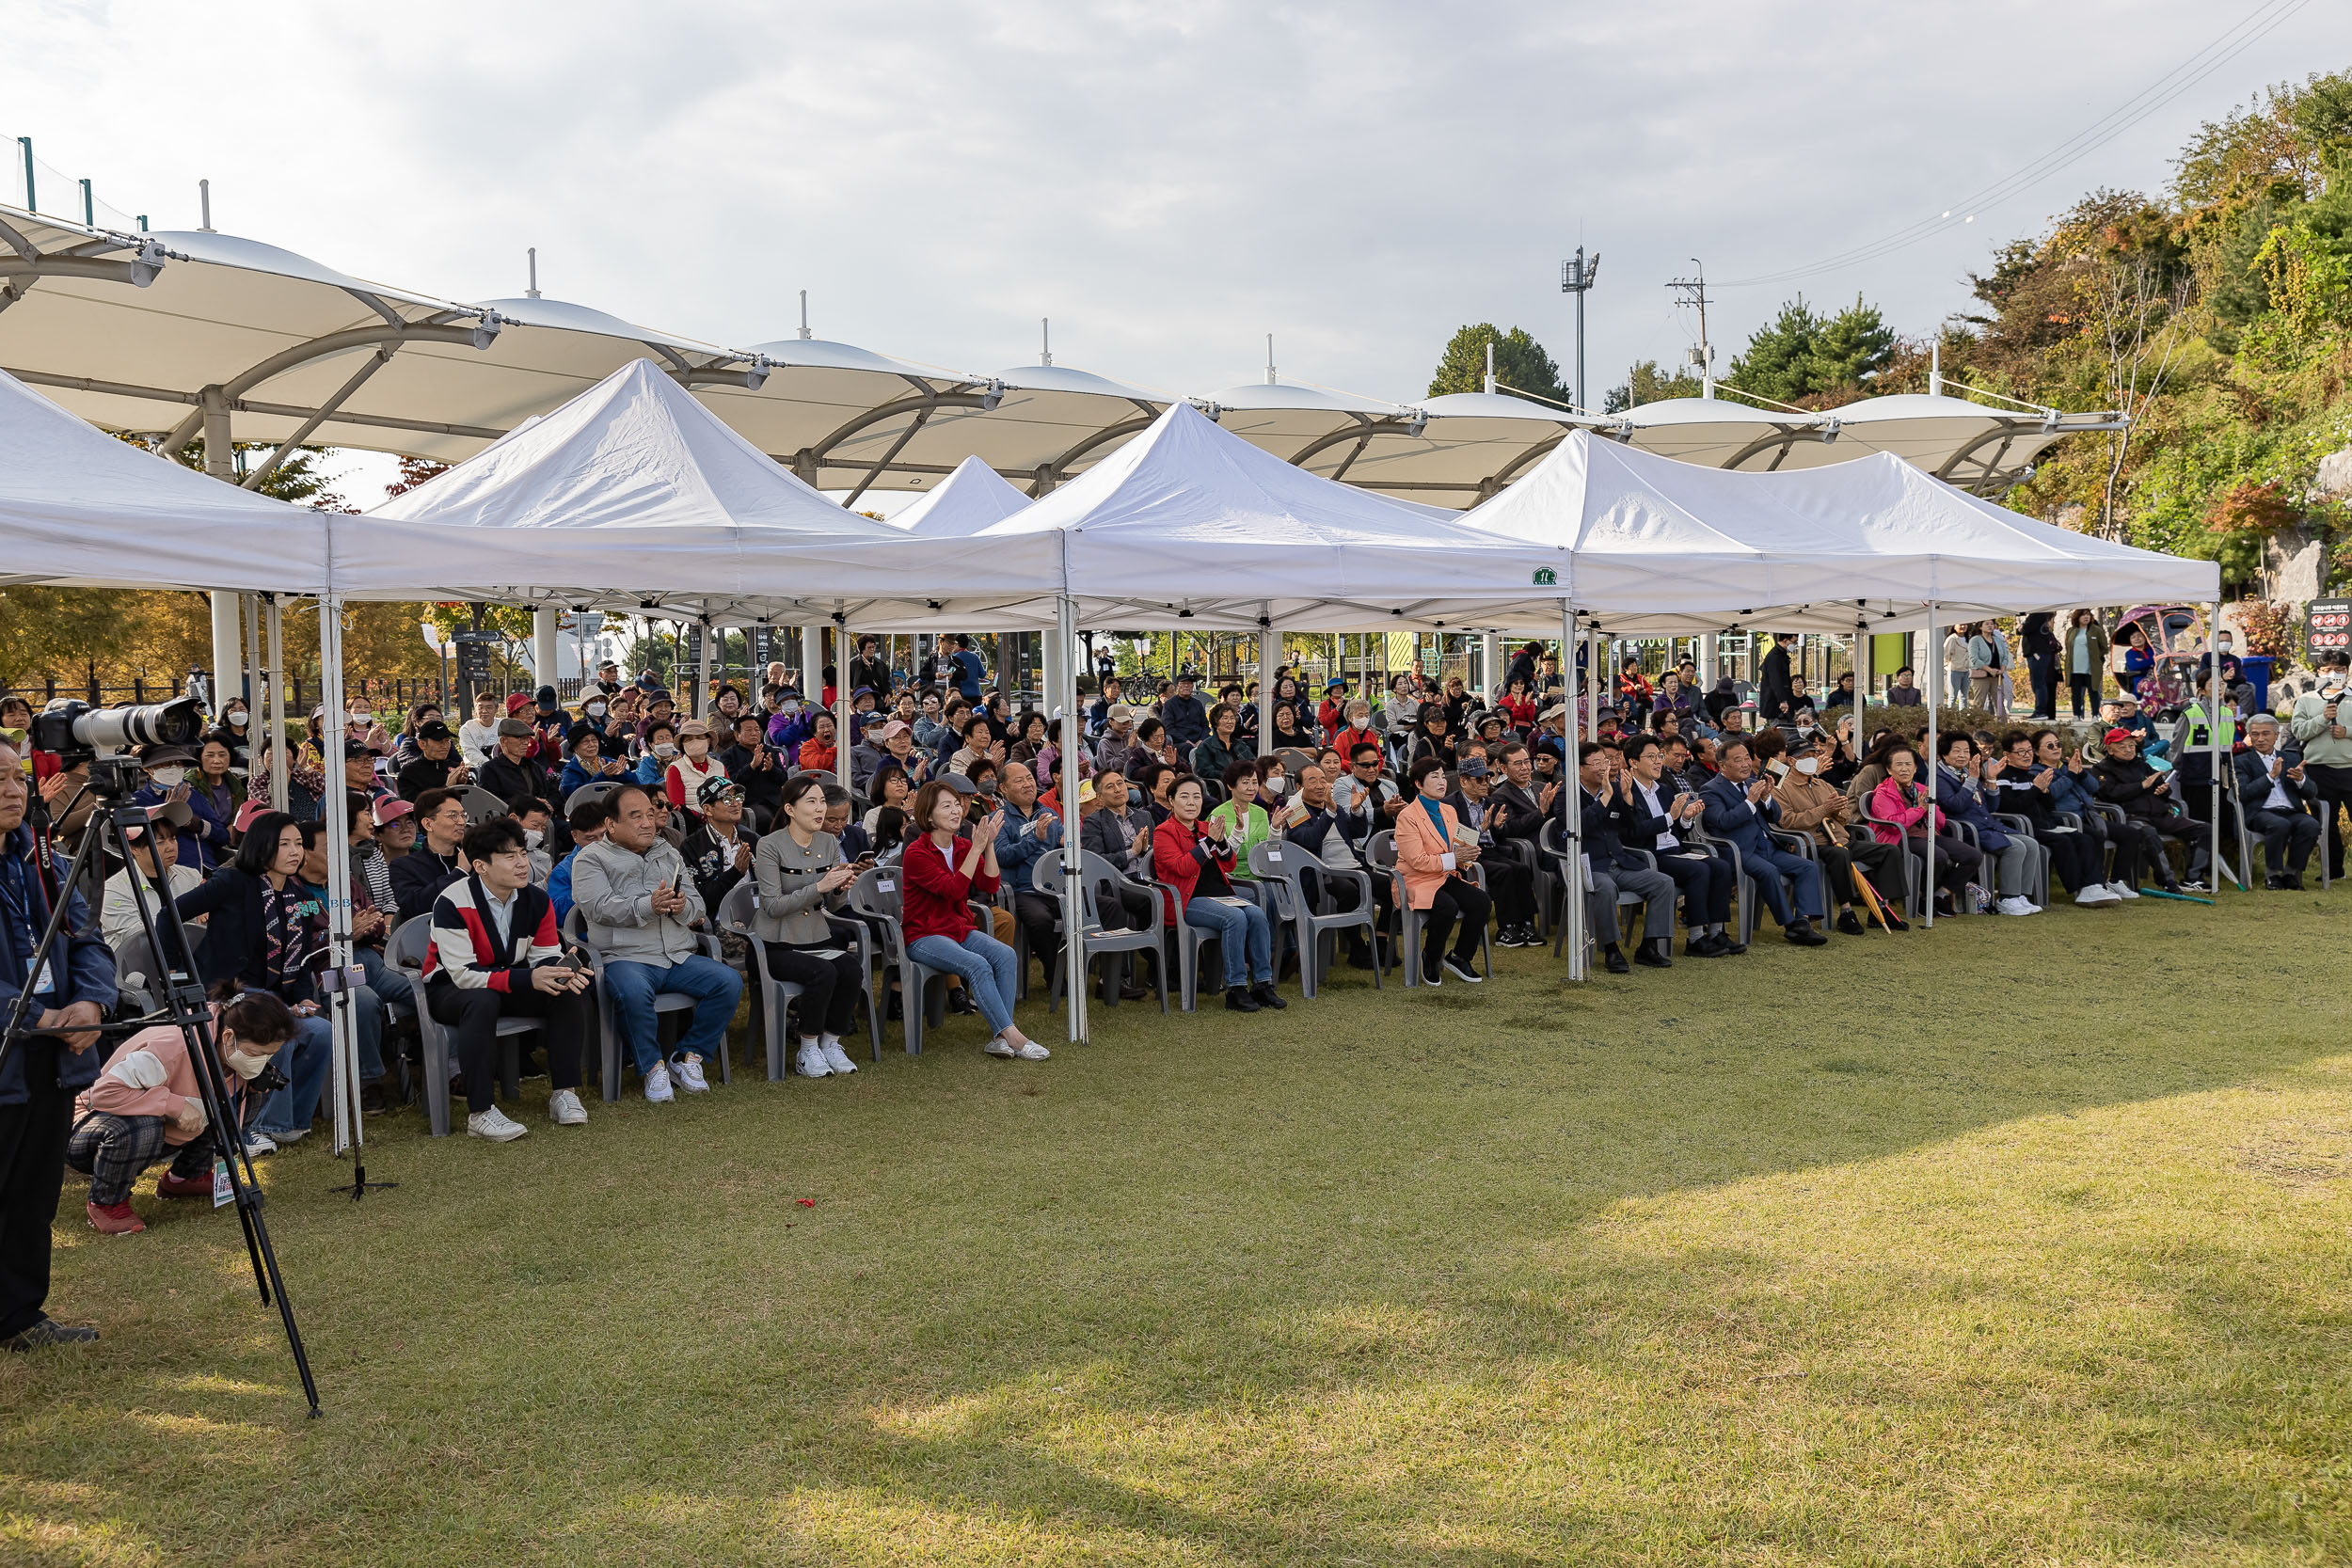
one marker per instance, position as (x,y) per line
(1739,809)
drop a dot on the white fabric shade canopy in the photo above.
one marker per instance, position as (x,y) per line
(80,508)
(1661,547)
(634,497)
(1190,526)
(973,498)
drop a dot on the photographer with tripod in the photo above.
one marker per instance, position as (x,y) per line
(45,1067)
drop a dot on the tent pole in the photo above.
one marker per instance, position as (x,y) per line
(2214,749)
(281,748)
(1571,823)
(335,809)
(702,680)
(543,620)
(1935,693)
(1065,691)
(1860,745)
(812,659)
(249,673)
(841,694)
(1269,649)
(224,648)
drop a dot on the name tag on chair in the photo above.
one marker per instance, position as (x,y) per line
(883,884)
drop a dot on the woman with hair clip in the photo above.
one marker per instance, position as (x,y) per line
(268,933)
(148,1104)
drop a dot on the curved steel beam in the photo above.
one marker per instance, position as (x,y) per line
(1783,437)
(1364,429)
(137,274)
(820,453)
(1951,464)
(19,243)
(1056,469)
(322,348)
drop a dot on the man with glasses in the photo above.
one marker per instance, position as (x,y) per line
(418,875)
(1363,793)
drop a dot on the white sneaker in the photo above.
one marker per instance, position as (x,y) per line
(259,1144)
(1000,1046)
(689,1075)
(657,1090)
(838,1059)
(293,1135)
(1032,1051)
(494,1125)
(1461,972)
(565,1109)
(811,1061)
(2018,904)
(2123,890)
(2098,894)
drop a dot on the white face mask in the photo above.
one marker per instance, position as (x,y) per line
(1274,785)
(531,837)
(361,715)
(246,1066)
(596,710)
(168,778)
(664,749)
(236,719)
(1808,764)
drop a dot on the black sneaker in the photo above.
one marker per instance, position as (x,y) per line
(1613,958)
(1850,923)
(46,1333)
(1462,972)
(1238,1000)
(1800,931)
(1653,954)
(1265,996)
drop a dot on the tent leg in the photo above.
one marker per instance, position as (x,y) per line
(1065,691)
(1935,693)
(1571,823)
(2218,759)
(1269,654)
(542,624)
(281,747)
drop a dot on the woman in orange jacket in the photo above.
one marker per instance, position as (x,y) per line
(1434,855)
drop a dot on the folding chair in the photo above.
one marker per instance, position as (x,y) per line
(1380,854)
(595,789)
(1095,940)
(737,914)
(609,1021)
(1282,861)
(406,951)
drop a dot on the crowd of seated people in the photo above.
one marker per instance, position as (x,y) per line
(622,823)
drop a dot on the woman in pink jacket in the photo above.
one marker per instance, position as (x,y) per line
(147,1103)
(1901,813)
(1434,857)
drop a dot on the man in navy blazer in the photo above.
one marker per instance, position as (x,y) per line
(1739,809)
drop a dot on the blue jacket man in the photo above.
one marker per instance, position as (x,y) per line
(44,1072)
(1030,832)
(1739,810)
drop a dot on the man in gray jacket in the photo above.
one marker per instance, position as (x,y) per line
(641,910)
(2322,722)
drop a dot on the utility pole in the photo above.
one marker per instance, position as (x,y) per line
(1694,291)
(1576,278)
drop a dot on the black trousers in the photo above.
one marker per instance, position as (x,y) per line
(1512,886)
(1877,863)
(1455,900)
(1705,883)
(2042,674)
(1956,862)
(2084,690)
(829,986)
(2077,856)
(33,1137)
(2333,786)
(2288,838)
(1036,915)
(474,1015)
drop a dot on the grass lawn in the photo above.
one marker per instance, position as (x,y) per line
(2024,1243)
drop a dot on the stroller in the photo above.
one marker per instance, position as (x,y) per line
(2166,689)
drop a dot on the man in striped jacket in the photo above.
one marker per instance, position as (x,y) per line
(495,954)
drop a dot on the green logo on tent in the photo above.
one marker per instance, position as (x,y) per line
(1547,578)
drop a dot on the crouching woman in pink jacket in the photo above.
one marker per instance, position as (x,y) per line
(147,1104)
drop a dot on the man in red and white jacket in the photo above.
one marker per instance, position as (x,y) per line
(494,953)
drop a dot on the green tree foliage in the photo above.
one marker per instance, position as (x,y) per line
(1646,383)
(1520,364)
(1809,360)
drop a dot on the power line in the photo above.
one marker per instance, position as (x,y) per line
(2233,41)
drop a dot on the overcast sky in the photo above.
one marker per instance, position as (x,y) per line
(1168,183)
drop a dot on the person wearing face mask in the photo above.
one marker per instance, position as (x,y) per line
(148,1106)
(653,769)
(536,817)
(268,930)
(694,767)
(168,768)
(360,724)
(1809,803)
(235,729)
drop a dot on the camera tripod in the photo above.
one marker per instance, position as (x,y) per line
(183,1005)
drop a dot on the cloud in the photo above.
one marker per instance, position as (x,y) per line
(1168,185)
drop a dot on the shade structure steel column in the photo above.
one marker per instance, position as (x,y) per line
(544,621)
(227,665)
(1489,664)
(1710,660)
(1064,690)
(282,749)
(249,683)
(812,661)
(702,683)
(840,694)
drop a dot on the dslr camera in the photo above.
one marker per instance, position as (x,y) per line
(104,736)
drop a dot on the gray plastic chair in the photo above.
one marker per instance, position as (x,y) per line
(406,952)
(1096,939)
(737,913)
(1380,853)
(1190,938)
(1552,847)
(609,1024)
(595,789)
(876,896)
(1280,861)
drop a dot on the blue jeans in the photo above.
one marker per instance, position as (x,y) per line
(987,966)
(1243,937)
(305,1060)
(387,987)
(629,988)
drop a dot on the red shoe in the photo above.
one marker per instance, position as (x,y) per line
(115,1220)
(169,1185)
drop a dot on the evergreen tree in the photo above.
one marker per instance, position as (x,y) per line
(1520,364)
(1649,384)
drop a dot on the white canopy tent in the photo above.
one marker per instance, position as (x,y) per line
(975,496)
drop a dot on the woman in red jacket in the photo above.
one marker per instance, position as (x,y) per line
(1195,856)
(940,872)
